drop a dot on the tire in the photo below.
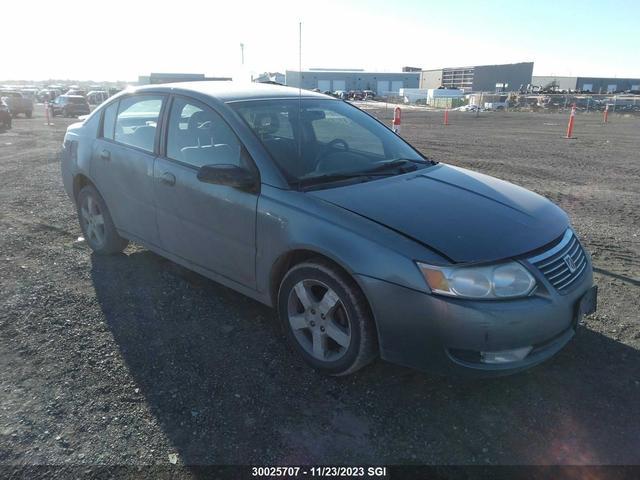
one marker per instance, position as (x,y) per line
(29,114)
(96,223)
(350,317)
(65,114)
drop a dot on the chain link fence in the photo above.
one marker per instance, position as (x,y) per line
(530,102)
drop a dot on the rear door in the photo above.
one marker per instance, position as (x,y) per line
(122,165)
(213,226)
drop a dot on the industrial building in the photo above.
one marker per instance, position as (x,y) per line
(156,78)
(587,84)
(270,77)
(383,83)
(481,78)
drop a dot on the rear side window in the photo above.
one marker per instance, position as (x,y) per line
(109,120)
(199,136)
(137,121)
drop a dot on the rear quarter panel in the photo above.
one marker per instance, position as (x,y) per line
(76,154)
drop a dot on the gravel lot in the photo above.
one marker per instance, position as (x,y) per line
(131,359)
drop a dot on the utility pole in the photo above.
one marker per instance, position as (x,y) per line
(242,52)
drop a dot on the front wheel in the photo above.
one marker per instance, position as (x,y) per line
(96,223)
(326,318)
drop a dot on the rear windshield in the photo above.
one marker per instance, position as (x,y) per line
(76,100)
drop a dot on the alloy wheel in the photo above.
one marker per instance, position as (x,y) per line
(319,320)
(92,221)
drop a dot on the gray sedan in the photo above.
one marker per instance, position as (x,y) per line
(365,246)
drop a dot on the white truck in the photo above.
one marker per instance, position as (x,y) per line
(17,103)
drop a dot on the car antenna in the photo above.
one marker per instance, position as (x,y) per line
(300,92)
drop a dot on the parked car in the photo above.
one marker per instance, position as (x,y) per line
(5,115)
(356,95)
(47,95)
(96,97)
(365,246)
(468,108)
(70,106)
(369,94)
(17,103)
(76,92)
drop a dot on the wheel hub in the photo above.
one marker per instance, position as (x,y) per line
(319,320)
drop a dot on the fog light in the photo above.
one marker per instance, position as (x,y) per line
(505,356)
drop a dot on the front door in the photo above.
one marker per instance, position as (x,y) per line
(122,166)
(212,226)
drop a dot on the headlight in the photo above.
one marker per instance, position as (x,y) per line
(504,280)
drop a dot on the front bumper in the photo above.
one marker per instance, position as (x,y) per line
(446,335)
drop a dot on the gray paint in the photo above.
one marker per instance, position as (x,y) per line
(598,84)
(481,78)
(375,231)
(515,74)
(457,200)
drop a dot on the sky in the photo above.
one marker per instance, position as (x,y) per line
(119,40)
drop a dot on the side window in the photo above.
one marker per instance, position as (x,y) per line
(109,120)
(137,121)
(332,126)
(198,136)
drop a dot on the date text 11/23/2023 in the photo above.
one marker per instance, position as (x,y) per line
(319,471)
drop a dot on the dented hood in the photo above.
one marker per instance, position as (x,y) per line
(464,215)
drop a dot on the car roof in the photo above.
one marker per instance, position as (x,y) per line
(230,91)
(72,96)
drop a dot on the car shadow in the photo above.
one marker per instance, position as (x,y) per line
(220,381)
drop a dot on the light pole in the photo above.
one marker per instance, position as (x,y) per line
(242,52)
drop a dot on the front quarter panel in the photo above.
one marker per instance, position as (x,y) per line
(290,220)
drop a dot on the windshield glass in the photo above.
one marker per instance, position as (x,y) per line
(312,138)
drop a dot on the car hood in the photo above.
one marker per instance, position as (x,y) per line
(463,215)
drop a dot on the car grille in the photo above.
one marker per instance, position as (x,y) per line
(562,264)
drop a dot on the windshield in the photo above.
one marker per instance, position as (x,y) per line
(318,138)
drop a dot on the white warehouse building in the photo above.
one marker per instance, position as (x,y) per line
(383,83)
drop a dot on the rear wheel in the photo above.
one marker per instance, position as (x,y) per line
(29,114)
(326,318)
(96,223)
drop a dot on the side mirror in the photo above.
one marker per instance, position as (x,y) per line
(230,175)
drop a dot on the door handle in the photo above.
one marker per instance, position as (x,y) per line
(168,179)
(105,155)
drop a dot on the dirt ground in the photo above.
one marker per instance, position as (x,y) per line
(130,359)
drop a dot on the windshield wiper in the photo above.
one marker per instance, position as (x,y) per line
(408,164)
(381,170)
(335,177)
